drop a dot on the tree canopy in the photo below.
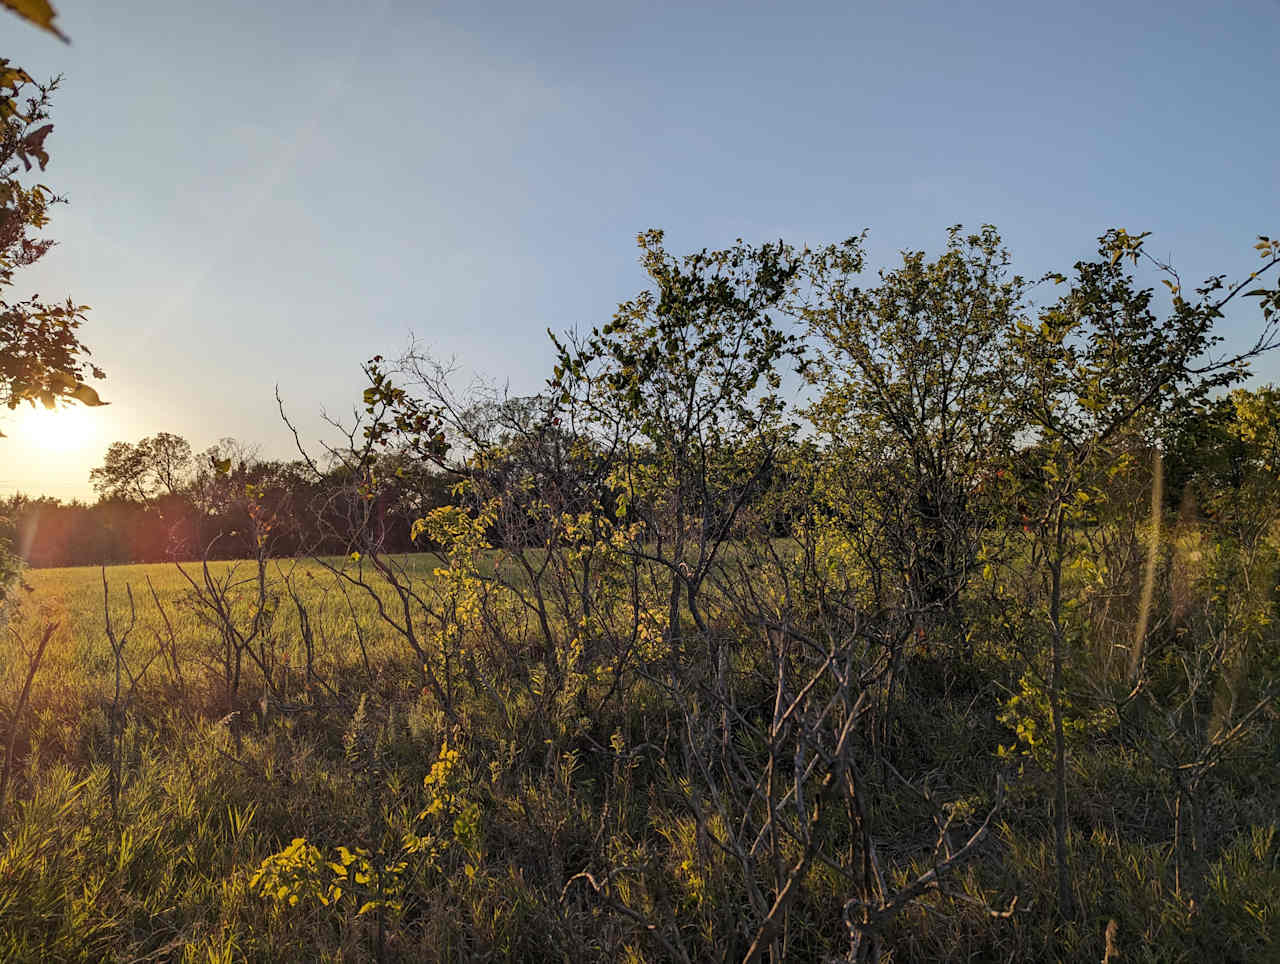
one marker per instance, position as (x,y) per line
(42,358)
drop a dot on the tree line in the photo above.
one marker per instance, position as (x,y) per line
(160,503)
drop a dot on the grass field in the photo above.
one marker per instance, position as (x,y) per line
(330,806)
(141,810)
(74,597)
(161,612)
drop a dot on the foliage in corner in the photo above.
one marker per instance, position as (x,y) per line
(41,356)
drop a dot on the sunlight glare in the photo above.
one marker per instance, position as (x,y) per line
(65,431)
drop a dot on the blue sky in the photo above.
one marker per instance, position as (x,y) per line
(268,194)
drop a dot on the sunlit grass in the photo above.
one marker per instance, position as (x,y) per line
(79,602)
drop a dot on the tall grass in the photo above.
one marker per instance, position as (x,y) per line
(337,810)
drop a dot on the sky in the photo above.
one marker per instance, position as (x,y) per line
(267,194)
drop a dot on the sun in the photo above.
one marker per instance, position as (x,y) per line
(52,452)
(63,431)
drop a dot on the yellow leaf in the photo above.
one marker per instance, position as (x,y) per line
(87,396)
(38,12)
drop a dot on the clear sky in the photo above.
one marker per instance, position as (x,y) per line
(269,193)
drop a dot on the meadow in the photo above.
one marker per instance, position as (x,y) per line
(81,599)
(983,666)
(345,812)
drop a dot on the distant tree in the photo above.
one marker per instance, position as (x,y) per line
(156,466)
(170,461)
(220,473)
(121,475)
